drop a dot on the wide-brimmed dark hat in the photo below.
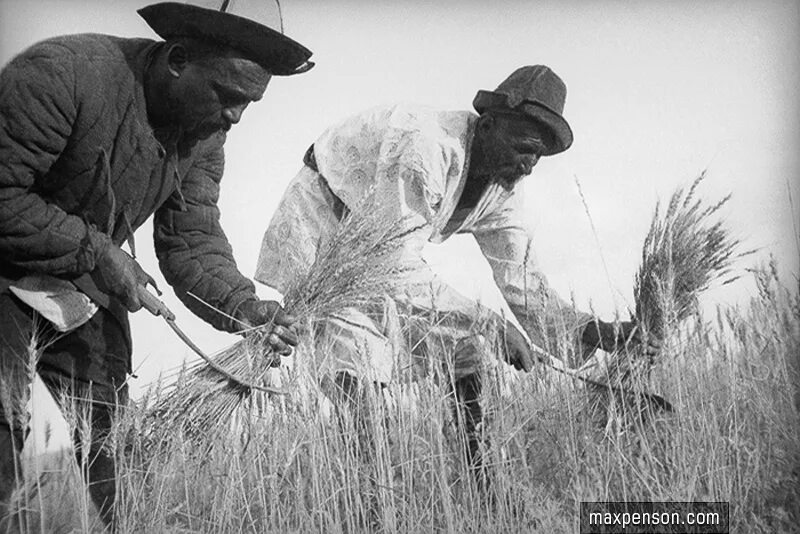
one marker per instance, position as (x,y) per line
(277,53)
(535,91)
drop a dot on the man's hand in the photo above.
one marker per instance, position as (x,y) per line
(517,350)
(283,335)
(122,276)
(613,337)
(635,337)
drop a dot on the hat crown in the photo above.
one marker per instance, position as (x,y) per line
(254,37)
(536,92)
(536,84)
(264,12)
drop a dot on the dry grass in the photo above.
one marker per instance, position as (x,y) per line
(735,438)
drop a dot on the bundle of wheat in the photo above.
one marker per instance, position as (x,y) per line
(354,267)
(685,251)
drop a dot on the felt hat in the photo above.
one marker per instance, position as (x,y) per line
(534,91)
(275,52)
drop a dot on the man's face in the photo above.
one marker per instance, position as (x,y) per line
(211,94)
(510,146)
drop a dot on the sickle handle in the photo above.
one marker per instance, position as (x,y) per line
(154,305)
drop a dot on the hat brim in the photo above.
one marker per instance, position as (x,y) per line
(275,52)
(562,133)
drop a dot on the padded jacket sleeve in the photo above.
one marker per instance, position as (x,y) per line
(38,107)
(193,252)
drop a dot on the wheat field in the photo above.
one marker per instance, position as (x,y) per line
(734,437)
(197,454)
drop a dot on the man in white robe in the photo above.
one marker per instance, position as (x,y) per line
(444,172)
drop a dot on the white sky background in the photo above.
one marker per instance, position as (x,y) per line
(657,91)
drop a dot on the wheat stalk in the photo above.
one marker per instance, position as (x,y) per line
(354,268)
(687,249)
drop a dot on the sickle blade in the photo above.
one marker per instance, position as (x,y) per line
(239,382)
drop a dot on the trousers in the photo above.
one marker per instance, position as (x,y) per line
(84,369)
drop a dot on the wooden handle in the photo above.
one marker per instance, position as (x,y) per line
(153,304)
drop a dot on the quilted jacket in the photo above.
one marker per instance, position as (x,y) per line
(80,164)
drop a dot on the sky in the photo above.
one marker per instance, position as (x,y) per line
(658,91)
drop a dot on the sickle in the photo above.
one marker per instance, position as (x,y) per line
(155,306)
(557,365)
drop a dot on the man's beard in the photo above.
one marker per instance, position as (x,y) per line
(495,168)
(192,129)
(205,130)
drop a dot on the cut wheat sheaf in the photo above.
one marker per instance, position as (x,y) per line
(688,249)
(355,267)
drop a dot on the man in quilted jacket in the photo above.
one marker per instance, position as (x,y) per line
(98,133)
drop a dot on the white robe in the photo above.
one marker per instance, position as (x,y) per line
(414,161)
